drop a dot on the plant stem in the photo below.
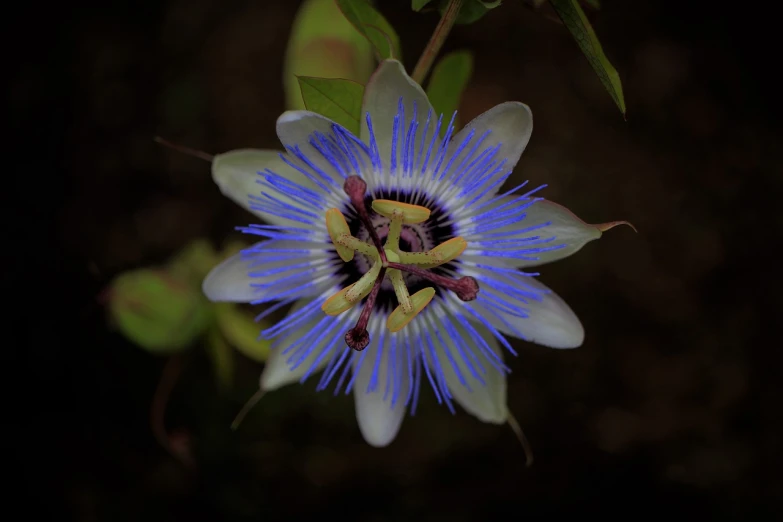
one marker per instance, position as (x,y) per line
(185,150)
(176,444)
(436,41)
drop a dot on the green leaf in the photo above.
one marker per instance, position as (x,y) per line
(339,100)
(158,310)
(575,20)
(242,331)
(449,78)
(373,26)
(472,10)
(595,4)
(324,44)
(194,261)
(418,5)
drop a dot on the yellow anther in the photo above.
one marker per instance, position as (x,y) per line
(400,290)
(337,227)
(439,255)
(398,318)
(346,245)
(358,245)
(451,249)
(338,303)
(362,287)
(410,213)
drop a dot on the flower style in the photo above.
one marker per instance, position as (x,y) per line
(399,253)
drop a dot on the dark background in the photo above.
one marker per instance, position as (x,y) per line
(671,407)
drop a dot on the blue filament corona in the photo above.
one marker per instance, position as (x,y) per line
(295,262)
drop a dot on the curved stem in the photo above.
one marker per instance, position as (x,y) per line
(357,338)
(517,429)
(436,41)
(185,150)
(465,287)
(356,188)
(251,402)
(169,377)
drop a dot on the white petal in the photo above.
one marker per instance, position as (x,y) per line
(566,228)
(277,373)
(565,234)
(379,419)
(484,396)
(236,173)
(278,370)
(386,86)
(521,306)
(510,125)
(298,128)
(229,281)
(237,279)
(479,159)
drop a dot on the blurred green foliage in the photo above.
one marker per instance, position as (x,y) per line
(341,99)
(323,43)
(373,26)
(573,17)
(163,310)
(240,332)
(449,79)
(158,310)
